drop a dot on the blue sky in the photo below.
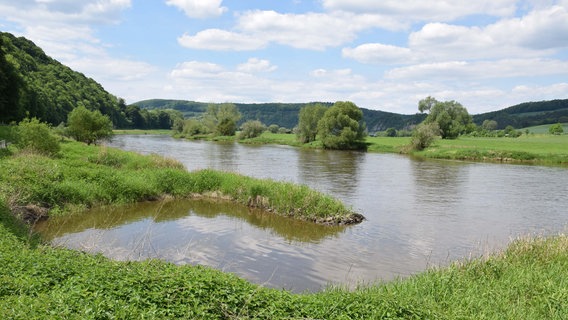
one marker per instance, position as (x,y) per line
(384,55)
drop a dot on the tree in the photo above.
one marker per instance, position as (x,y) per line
(423,135)
(223,118)
(556,129)
(36,136)
(452,118)
(252,129)
(308,122)
(426,104)
(273,128)
(88,126)
(342,126)
(391,132)
(489,125)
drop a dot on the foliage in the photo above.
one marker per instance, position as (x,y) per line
(342,127)
(37,136)
(194,127)
(528,114)
(391,132)
(273,128)
(556,129)
(222,119)
(308,122)
(251,129)
(489,125)
(452,118)
(423,135)
(88,126)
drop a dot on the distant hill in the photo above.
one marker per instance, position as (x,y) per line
(528,114)
(283,114)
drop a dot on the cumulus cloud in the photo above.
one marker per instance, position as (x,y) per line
(418,10)
(216,39)
(378,53)
(199,8)
(463,70)
(255,65)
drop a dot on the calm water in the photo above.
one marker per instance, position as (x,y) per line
(419,213)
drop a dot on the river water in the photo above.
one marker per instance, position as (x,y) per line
(419,214)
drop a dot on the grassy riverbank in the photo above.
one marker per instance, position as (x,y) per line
(85,176)
(527,281)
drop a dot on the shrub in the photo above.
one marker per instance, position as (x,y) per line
(556,129)
(252,129)
(37,136)
(424,135)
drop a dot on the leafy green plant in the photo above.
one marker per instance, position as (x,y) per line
(31,134)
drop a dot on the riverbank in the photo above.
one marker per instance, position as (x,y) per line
(532,149)
(526,281)
(85,176)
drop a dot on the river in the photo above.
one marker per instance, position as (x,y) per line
(419,214)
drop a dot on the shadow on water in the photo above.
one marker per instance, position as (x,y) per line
(169,211)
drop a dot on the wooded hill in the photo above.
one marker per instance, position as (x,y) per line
(33,84)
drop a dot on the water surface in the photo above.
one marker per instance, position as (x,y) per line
(419,213)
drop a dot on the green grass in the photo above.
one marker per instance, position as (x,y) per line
(86,176)
(538,149)
(529,280)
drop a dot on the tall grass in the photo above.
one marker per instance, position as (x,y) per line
(86,176)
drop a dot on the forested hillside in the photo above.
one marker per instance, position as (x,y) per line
(528,114)
(35,85)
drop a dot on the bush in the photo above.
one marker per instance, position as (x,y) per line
(556,129)
(424,135)
(37,136)
(252,129)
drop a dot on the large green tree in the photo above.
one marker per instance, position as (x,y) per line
(88,126)
(342,127)
(451,117)
(223,118)
(308,122)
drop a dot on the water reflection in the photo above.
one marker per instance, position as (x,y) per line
(172,210)
(338,171)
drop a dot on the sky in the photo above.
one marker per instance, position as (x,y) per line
(380,54)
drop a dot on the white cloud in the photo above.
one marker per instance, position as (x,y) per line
(254,65)
(199,8)
(419,10)
(378,53)
(315,31)
(64,11)
(216,39)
